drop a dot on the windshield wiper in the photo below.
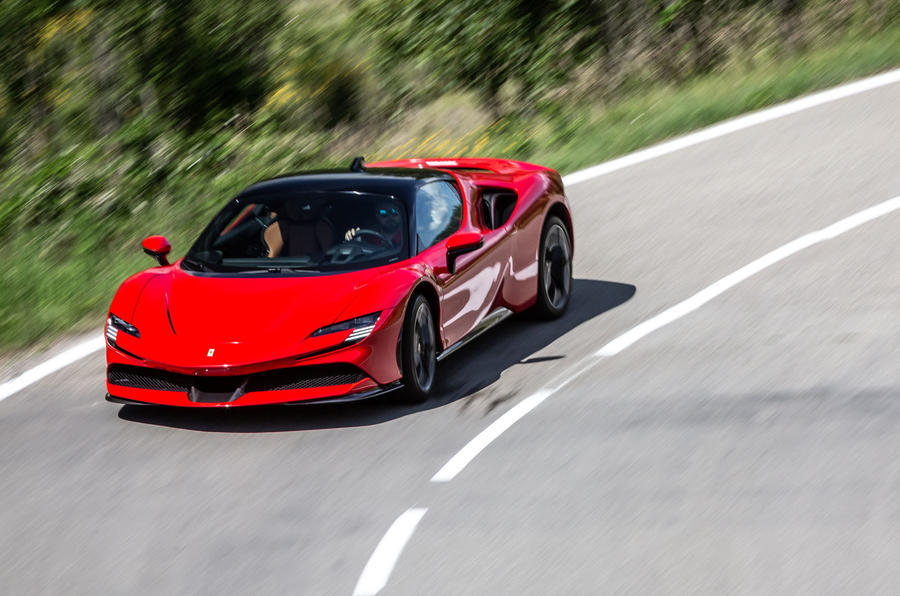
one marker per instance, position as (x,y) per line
(277,269)
(197,264)
(280,268)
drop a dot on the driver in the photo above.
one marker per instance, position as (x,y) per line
(388,223)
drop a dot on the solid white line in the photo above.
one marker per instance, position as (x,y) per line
(377,571)
(734,125)
(712,132)
(465,456)
(50,366)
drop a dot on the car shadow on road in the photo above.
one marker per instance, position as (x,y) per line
(465,377)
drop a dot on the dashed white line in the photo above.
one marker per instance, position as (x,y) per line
(377,571)
(487,436)
(464,457)
(729,281)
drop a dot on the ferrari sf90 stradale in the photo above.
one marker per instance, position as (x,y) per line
(341,285)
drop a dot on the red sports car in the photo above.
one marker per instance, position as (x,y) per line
(341,285)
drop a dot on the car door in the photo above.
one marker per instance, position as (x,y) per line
(468,293)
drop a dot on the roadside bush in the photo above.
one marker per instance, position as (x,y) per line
(123,119)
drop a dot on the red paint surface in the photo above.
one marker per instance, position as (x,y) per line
(262,323)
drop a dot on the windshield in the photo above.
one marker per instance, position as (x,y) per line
(324,231)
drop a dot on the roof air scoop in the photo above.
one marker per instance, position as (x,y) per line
(358,165)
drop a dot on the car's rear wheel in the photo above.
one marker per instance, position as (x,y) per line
(554,269)
(418,351)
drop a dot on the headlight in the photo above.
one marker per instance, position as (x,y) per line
(114,324)
(361,326)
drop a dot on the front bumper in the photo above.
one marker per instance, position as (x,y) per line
(284,399)
(359,371)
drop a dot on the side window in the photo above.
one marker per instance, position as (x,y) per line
(438,213)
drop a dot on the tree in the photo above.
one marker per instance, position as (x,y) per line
(474,44)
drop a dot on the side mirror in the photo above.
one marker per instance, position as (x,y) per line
(460,244)
(157,247)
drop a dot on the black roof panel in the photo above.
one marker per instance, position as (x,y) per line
(374,180)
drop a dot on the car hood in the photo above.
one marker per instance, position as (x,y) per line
(198,320)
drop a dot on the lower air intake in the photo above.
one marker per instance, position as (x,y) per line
(141,377)
(305,377)
(225,388)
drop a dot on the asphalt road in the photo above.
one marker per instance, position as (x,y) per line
(749,447)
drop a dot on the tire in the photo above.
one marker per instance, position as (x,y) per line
(418,351)
(554,270)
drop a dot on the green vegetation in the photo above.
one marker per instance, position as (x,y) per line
(664,111)
(119,120)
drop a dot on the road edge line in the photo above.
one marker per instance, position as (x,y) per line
(715,131)
(50,366)
(735,124)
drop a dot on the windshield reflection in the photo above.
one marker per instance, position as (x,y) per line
(312,232)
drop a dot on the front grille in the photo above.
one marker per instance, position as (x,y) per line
(147,378)
(216,390)
(217,384)
(305,377)
(301,377)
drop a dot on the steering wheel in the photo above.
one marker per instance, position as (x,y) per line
(367,232)
(344,253)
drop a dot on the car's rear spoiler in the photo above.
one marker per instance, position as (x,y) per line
(485,164)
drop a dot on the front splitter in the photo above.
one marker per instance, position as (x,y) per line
(363,395)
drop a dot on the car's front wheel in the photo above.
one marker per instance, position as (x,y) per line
(418,350)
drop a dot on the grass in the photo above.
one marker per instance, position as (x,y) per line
(59,276)
(662,112)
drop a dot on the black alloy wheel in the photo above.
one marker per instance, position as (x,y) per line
(554,269)
(418,350)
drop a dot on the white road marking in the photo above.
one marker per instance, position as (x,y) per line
(734,125)
(713,132)
(487,436)
(729,281)
(459,461)
(465,456)
(61,360)
(377,571)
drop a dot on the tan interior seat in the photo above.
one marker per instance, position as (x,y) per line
(294,239)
